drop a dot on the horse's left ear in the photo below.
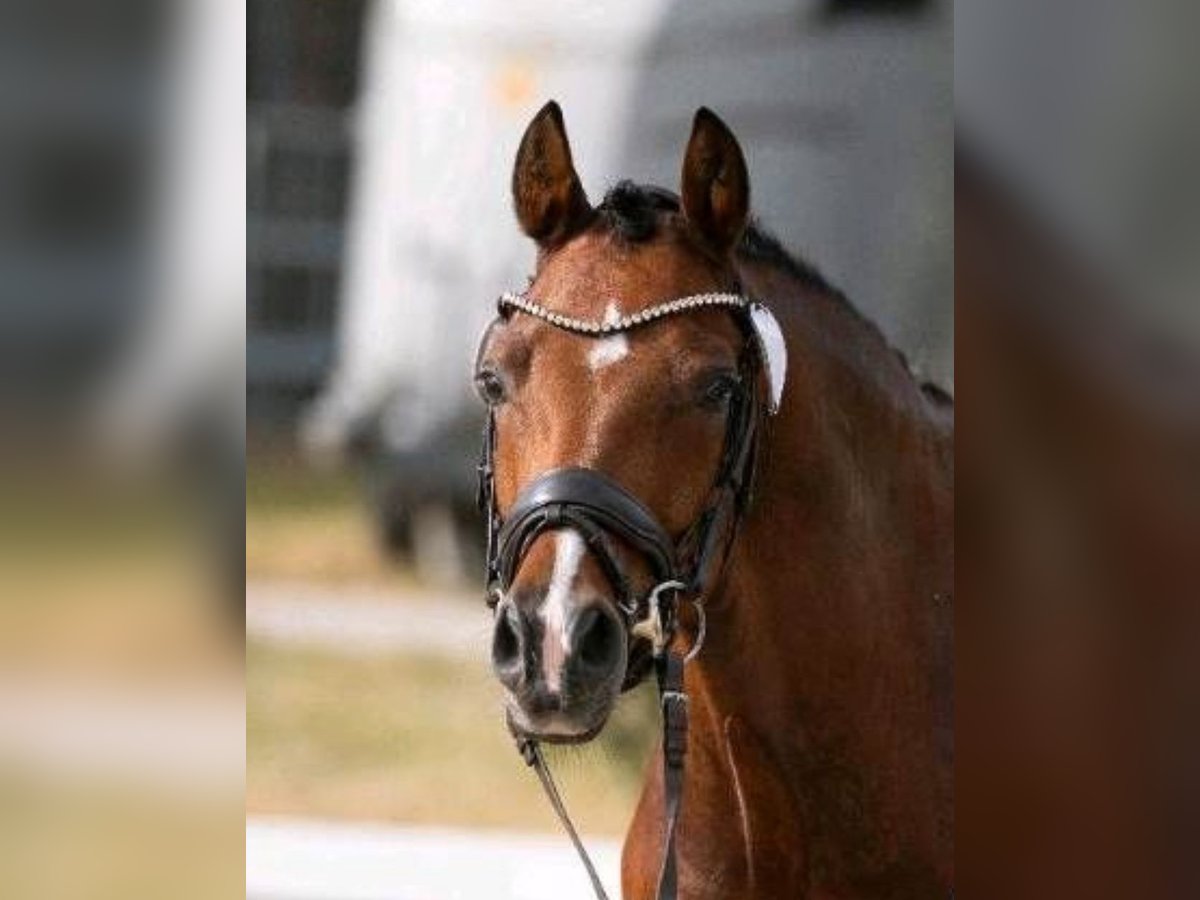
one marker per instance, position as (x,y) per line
(715,185)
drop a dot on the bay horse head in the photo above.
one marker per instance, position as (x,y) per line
(626,390)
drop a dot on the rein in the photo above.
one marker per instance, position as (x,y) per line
(599,509)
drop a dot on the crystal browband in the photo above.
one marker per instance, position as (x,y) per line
(624,323)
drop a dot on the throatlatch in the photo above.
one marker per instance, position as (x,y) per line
(599,510)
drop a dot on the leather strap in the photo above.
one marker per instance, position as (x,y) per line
(532,754)
(674,702)
(675,731)
(595,506)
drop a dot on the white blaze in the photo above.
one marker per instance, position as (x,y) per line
(611,349)
(568,554)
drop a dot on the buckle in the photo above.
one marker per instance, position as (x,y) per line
(655,627)
(701,631)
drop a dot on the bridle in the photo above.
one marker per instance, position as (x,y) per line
(600,510)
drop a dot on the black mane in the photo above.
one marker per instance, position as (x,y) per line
(631,211)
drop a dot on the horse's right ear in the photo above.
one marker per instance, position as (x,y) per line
(547,196)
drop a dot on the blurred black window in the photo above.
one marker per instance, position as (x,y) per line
(80,191)
(303,60)
(80,129)
(303,51)
(303,182)
(838,8)
(294,299)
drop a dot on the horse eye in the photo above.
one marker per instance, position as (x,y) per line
(719,390)
(490,387)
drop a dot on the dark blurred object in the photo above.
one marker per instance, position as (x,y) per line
(1079,589)
(80,93)
(303,65)
(838,8)
(303,52)
(1077,275)
(422,496)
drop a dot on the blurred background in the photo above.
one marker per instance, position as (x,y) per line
(245,253)
(122,253)
(1030,174)
(1077,226)
(380,141)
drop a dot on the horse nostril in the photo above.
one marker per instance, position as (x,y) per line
(597,639)
(506,646)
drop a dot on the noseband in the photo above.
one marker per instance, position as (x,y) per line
(597,508)
(606,515)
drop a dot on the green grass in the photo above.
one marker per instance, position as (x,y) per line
(310,524)
(279,484)
(105,572)
(419,740)
(62,836)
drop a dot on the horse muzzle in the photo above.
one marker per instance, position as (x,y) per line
(561,659)
(566,639)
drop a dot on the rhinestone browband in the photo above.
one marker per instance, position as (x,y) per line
(624,323)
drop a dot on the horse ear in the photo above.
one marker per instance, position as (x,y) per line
(715,185)
(547,196)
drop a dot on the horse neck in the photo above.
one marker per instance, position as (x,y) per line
(830,614)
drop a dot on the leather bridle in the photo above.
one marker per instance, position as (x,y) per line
(603,513)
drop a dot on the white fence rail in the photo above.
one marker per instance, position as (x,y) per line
(292,859)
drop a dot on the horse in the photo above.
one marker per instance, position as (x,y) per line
(639,406)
